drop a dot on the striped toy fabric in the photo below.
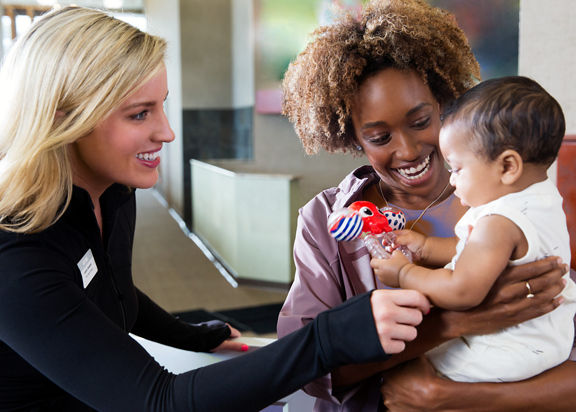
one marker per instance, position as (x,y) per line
(345,224)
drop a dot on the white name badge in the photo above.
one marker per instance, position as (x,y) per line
(88,268)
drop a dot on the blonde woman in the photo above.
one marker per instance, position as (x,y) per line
(81,125)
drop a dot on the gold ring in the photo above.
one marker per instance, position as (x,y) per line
(530,295)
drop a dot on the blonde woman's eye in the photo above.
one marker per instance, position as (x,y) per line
(140,116)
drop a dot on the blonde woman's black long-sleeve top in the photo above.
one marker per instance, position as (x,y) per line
(67,303)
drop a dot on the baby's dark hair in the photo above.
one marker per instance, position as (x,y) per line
(321,84)
(512,112)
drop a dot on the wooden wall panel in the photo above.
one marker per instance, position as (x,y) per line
(567,187)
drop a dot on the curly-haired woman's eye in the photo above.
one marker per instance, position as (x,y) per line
(380,139)
(422,123)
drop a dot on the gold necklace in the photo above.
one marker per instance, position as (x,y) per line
(425,209)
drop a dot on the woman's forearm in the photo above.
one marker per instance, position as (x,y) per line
(415,386)
(433,331)
(438,326)
(505,306)
(553,390)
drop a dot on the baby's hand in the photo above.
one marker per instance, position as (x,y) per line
(414,241)
(388,270)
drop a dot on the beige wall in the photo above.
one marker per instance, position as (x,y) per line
(242,53)
(547,50)
(1,31)
(163,19)
(206,36)
(217,53)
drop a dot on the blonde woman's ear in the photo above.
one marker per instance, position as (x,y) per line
(511,166)
(60,114)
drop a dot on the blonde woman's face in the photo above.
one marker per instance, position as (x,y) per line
(125,147)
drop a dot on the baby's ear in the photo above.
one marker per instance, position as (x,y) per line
(511,166)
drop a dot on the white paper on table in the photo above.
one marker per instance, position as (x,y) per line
(178,360)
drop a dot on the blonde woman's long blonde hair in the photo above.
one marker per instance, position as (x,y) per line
(57,83)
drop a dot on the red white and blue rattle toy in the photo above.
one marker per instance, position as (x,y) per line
(364,220)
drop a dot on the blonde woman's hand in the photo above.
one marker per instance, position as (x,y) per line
(396,315)
(230,343)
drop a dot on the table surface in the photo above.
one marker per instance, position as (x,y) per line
(179,361)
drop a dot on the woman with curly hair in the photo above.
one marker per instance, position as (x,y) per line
(376,86)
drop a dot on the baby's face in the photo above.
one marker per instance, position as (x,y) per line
(477,180)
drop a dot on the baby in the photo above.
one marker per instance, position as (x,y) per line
(498,139)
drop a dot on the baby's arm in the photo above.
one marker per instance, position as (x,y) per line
(429,250)
(486,254)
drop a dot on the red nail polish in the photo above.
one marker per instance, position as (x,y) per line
(245,348)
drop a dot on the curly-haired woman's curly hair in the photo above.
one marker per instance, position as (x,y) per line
(319,86)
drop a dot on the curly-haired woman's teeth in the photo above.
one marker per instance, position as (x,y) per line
(148,156)
(416,172)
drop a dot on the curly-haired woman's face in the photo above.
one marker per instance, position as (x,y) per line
(397,122)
